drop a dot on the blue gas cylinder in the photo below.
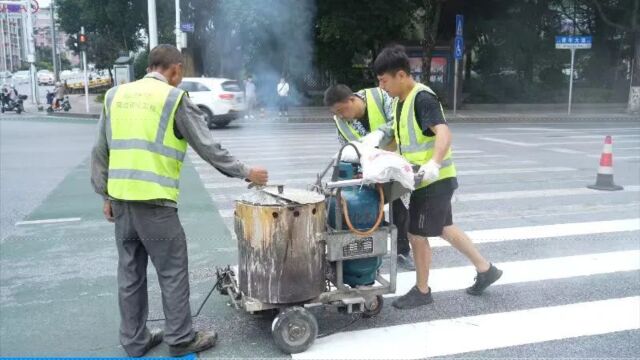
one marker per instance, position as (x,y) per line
(363,203)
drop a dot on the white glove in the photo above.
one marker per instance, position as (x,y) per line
(372,139)
(430,171)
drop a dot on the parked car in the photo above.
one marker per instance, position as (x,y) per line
(222,100)
(21,77)
(45,77)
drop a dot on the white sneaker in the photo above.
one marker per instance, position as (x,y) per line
(280,113)
(246,117)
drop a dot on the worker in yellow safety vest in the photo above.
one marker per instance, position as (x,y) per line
(423,138)
(356,115)
(144,131)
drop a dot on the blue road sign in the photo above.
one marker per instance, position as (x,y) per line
(459,24)
(573,42)
(12,8)
(458,48)
(187,27)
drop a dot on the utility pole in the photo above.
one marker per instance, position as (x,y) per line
(54,41)
(31,53)
(178,32)
(153,24)
(86,77)
(4,45)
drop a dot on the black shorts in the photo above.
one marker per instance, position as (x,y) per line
(428,215)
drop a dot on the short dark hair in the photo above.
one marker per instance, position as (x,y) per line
(337,94)
(391,60)
(163,56)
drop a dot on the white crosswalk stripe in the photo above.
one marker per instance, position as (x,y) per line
(482,332)
(551,205)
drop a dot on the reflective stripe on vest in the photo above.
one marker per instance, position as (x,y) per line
(346,130)
(375,108)
(416,147)
(145,157)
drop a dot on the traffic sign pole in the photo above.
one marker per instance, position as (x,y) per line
(572,43)
(573,55)
(455,89)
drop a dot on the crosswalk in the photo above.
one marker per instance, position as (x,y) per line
(525,205)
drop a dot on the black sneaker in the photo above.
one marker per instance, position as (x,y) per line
(204,340)
(484,279)
(406,262)
(413,299)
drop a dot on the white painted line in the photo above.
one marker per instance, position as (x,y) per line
(508,142)
(534,129)
(47,221)
(526,194)
(546,231)
(628,148)
(585,142)
(226,213)
(468,151)
(481,332)
(516,272)
(601,137)
(292,157)
(566,151)
(515,171)
(483,156)
(617,157)
(237,184)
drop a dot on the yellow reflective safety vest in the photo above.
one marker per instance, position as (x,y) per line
(145,156)
(375,113)
(416,147)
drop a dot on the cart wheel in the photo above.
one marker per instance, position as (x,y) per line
(374,307)
(294,330)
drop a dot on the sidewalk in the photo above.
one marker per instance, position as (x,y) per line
(78,107)
(467,113)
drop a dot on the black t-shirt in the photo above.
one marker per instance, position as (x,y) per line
(428,114)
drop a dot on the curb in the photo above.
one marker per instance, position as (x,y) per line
(74,115)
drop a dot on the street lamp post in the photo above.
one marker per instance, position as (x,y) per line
(153,24)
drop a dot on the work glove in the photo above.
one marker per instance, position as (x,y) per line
(372,139)
(430,171)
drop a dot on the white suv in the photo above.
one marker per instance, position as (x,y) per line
(222,100)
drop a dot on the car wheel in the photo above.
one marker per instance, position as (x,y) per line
(208,116)
(221,123)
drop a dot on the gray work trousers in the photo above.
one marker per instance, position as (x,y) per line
(146,231)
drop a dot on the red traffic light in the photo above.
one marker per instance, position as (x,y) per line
(82,38)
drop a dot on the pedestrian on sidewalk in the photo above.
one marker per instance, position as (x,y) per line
(250,97)
(424,139)
(283,97)
(136,169)
(356,115)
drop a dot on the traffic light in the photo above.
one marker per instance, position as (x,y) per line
(82,42)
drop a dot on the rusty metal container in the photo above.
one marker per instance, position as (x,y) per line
(280,251)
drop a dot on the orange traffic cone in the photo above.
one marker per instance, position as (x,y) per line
(604,180)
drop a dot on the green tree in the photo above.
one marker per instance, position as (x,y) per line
(624,16)
(112,27)
(352,33)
